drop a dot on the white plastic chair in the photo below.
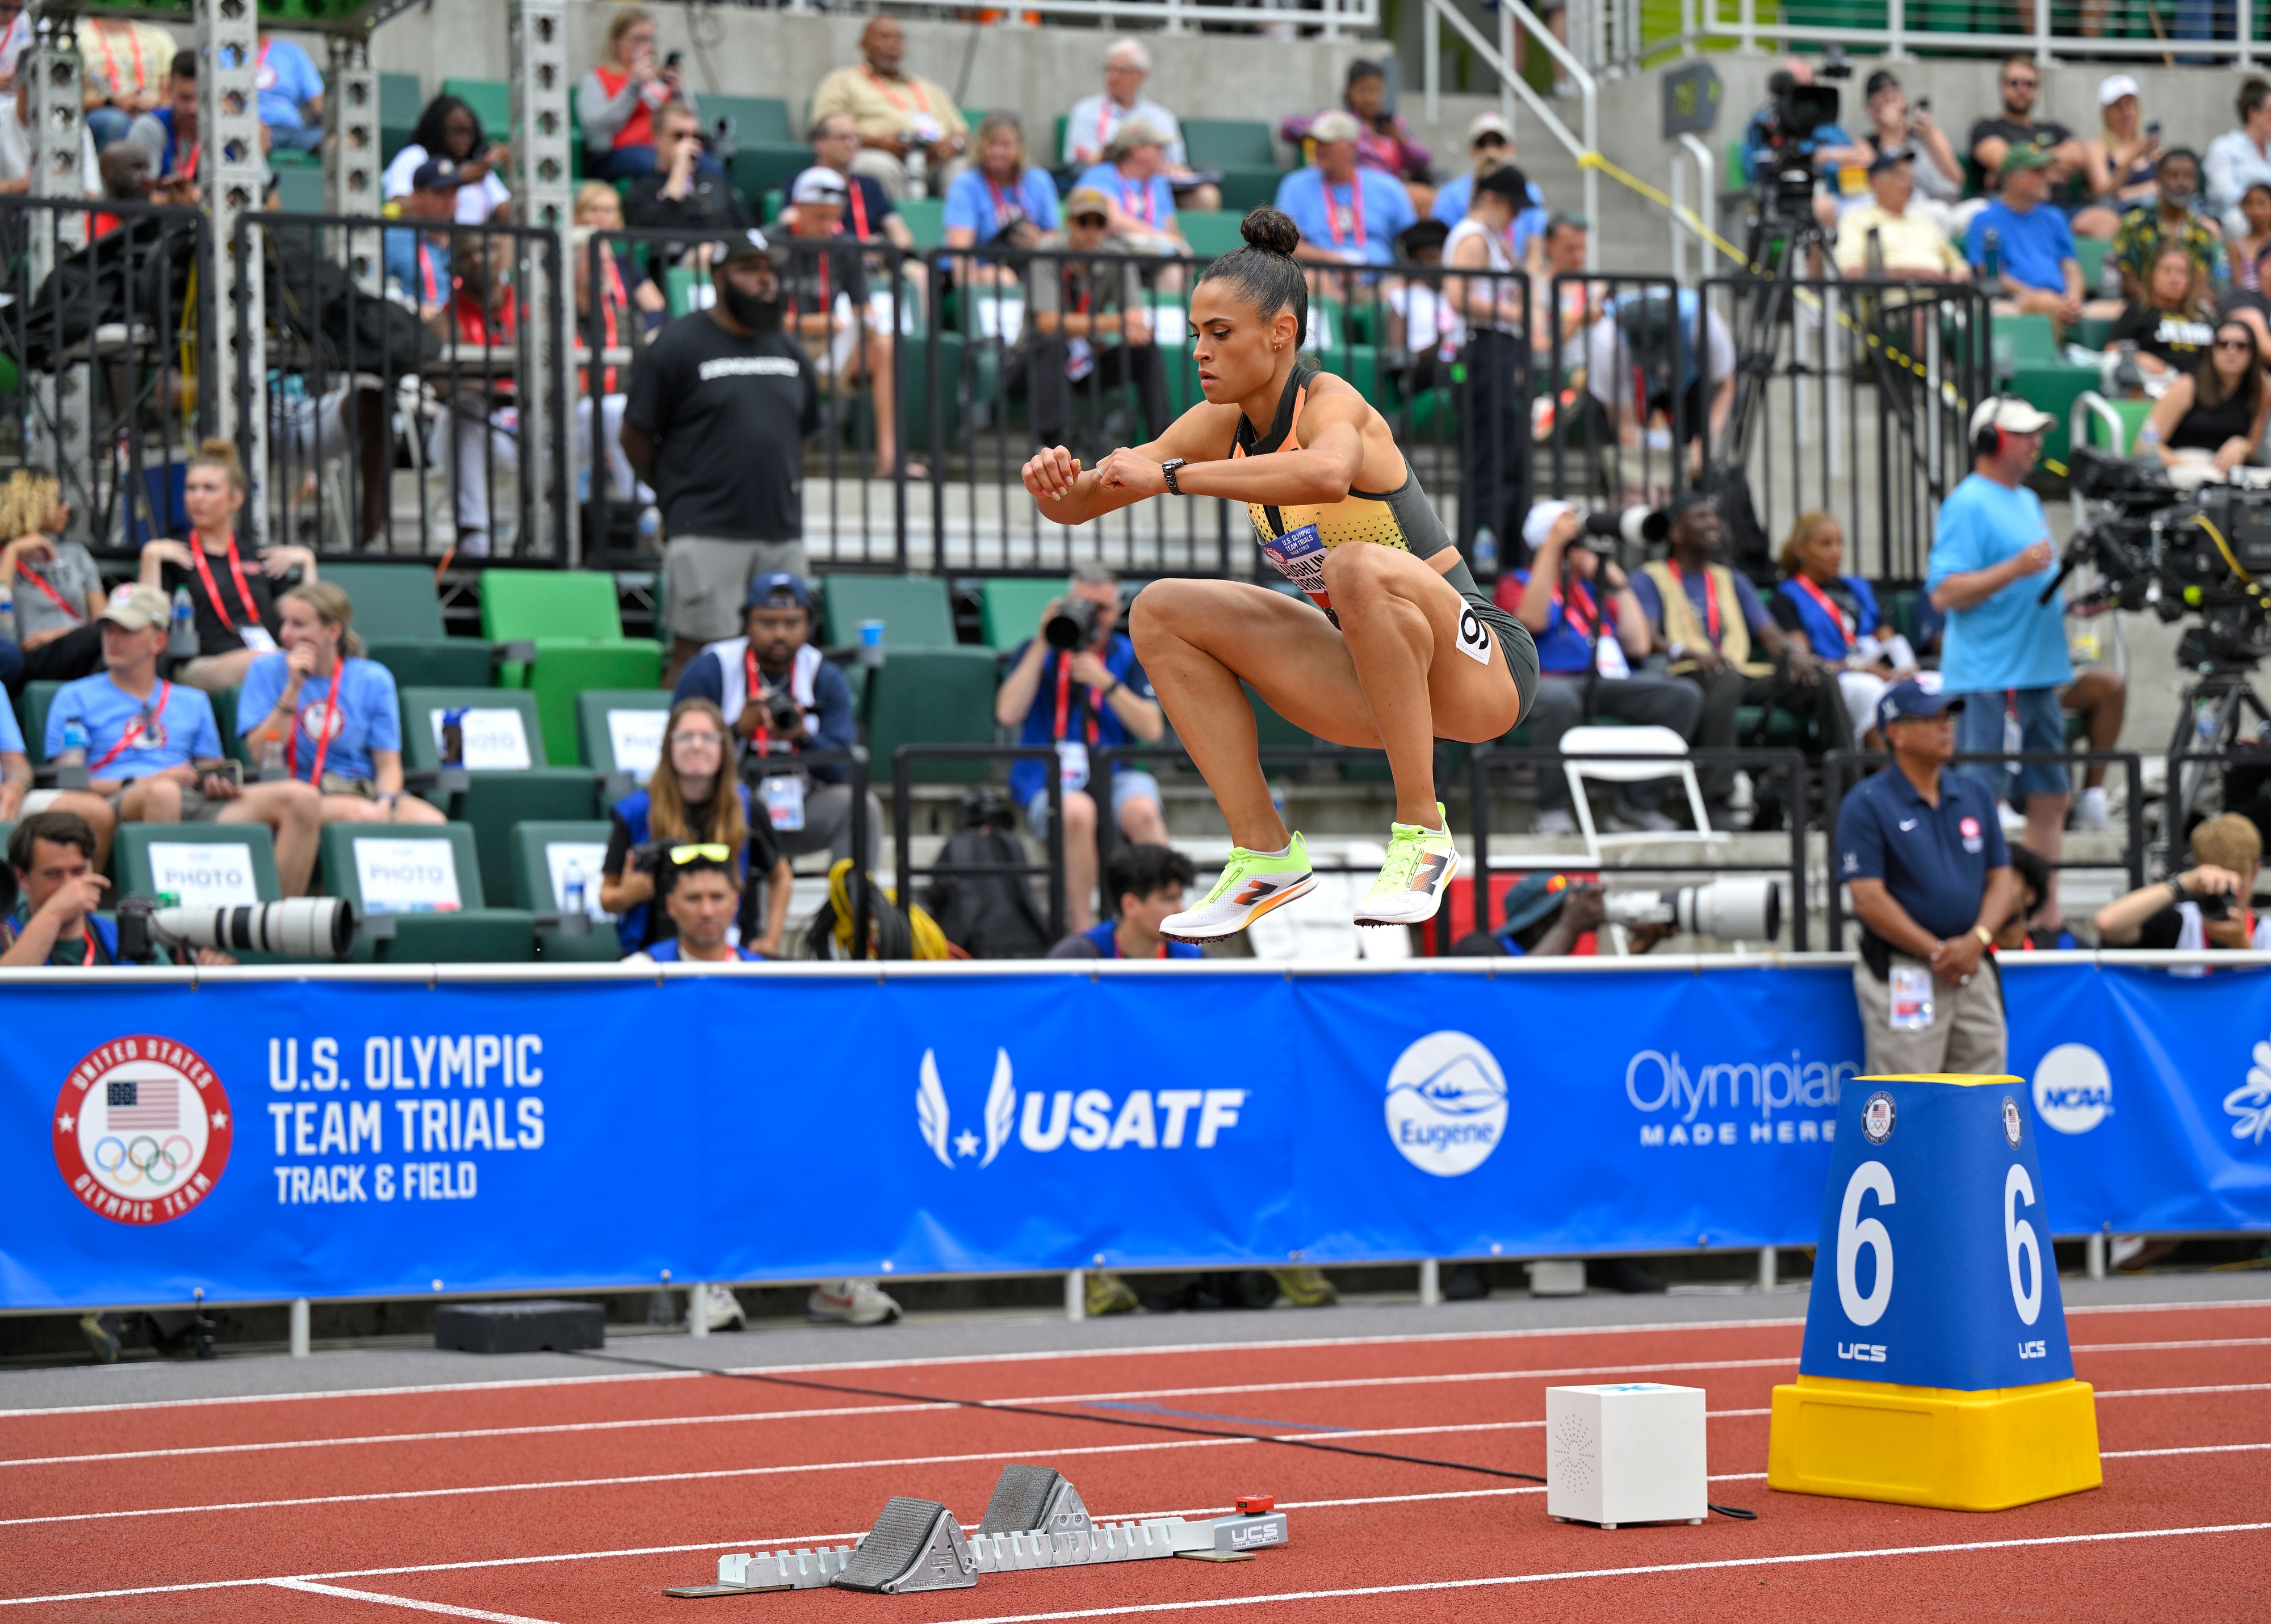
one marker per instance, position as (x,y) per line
(1640,743)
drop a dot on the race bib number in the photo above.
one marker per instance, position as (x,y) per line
(1300,558)
(1474,639)
(1911,990)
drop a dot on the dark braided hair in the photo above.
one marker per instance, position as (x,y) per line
(1264,271)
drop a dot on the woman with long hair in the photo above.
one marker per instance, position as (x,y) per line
(2213,415)
(1396,645)
(1003,200)
(2168,331)
(328,716)
(449,128)
(618,99)
(53,584)
(234,607)
(1834,616)
(695,800)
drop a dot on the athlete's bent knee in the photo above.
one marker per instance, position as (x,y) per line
(1356,569)
(1079,812)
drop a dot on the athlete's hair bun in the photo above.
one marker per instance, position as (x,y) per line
(1270,230)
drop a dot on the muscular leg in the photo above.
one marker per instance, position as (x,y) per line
(294,814)
(356,809)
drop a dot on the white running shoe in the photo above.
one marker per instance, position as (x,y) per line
(1252,883)
(719,1309)
(2090,810)
(1413,881)
(849,1302)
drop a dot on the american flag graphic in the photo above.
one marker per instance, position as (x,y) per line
(144,1106)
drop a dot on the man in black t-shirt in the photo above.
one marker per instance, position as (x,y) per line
(679,196)
(719,405)
(2021,82)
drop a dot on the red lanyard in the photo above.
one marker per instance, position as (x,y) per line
(54,597)
(149,713)
(883,84)
(859,209)
(426,273)
(762,738)
(1845,627)
(1064,700)
(1003,207)
(1584,600)
(213,587)
(1710,597)
(1104,122)
(133,38)
(1356,212)
(1150,204)
(322,744)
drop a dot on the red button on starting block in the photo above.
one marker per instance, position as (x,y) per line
(1254,1505)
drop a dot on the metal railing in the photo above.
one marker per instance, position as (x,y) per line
(1052,871)
(1331,19)
(2091,31)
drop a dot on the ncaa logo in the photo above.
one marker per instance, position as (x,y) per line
(1446,1104)
(142,1130)
(2074,1093)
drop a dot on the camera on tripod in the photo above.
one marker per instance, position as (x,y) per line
(1783,188)
(2156,548)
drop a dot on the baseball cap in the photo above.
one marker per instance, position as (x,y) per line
(1915,700)
(818,185)
(1532,900)
(1335,126)
(2026,157)
(750,244)
(136,607)
(436,174)
(1488,124)
(1087,200)
(779,583)
(2113,87)
(2010,414)
(1886,157)
(1882,79)
(1541,521)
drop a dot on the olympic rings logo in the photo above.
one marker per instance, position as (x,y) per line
(126,1163)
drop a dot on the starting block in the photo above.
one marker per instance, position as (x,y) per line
(1035,1519)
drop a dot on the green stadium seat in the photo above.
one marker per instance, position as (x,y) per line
(572,617)
(401,101)
(496,797)
(1011,606)
(917,432)
(622,729)
(915,610)
(2111,425)
(299,189)
(491,101)
(32,709)
(925,219)
(930,695)
(1210,233)
(440,863)
(2094,332)
(542,854)
(397,614)
(2089,253)
(760,166)
(1900,609)
(1242,151)
(233,744)
(2052,387)
(755,118)
(2025,340)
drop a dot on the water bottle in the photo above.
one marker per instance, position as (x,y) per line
(572,888)
(74,739)
(1486,558)
(918,167)
(1990,265)
(182,637)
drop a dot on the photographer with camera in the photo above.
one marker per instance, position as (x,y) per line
(1797,128)
(784,698)
(701,891)
(58,891)
(1077,685)
(1547,915)
(1560,599)
(2209,906)
(1149,881)
(1922,855)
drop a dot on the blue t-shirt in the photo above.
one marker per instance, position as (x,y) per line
(1934,860)
(1562,648)
(1458,196)
(1387,210)
(179,732)
(1757,150)
(287,77)
(2010,640)
(2033,246)
(1825,633)
(1153,204)
(12,735)
(1099,727)
(973,201)
(1107,943)
(666,953)
(369,716)
(1746,598)
(418,264)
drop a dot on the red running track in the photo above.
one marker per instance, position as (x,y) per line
(574,1502)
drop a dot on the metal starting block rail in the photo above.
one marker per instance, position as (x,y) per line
(1035,1519)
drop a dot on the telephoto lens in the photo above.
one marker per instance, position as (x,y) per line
(1073,625)
(301,928)
(1742,909)
(1636,526)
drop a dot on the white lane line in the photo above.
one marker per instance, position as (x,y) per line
(2197,1342)
(2164,1392)
(1500,1580)
(443,1607)
(2190,1449)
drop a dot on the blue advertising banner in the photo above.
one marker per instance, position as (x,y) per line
(262,1136)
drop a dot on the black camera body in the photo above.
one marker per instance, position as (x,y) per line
(1783,189)
(1078,624)
(2201,553)
(782,714)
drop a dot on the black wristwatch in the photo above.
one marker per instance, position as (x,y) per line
(1167,472)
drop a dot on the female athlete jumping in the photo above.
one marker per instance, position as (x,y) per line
(1407,648)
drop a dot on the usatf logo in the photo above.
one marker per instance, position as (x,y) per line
(1446,1104)
(2074,1093)
(142,1130)
(1088,1120)
(1877,1118)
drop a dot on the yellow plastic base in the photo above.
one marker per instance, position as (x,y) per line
(1934,1446)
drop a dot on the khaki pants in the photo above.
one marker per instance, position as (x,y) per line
(1966,1034)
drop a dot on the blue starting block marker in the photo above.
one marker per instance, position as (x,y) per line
(1935,1369)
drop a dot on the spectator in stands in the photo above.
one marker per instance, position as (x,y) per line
(449,128)
(1076,308)
(1423,332)
(18,798)
(417,259)
(1644,356)
(2170,220)
(612,319)
(56,859)
(480,432)
(2245,255)
(2241,158)
(1384,141)
(1589,664)
(169,130)
(1548,916)
(2209,906)
(1827,150)
(1348,215)
(291,94)
(1493,398)
(1148,882)
(2164,320)
(2122,159)
(727,376)
(1133,177)
(51,585)
(2018,934)
(2058,155)
(825,291)
(2021,247)
(2212,417)
(16,149)
(1712,628)
(15,39)
(1003,200)
(1489,145)
(1078,701)
(681,195)
(126,178)
(1889,236)
(2002,647)
(869,214)
(2100,697)
(1896,125)
(618,99)
(694,803)
(599,208)
(124,65)
(1922,853)
(235,614)
(326,716)
(1567,238)
(901,115)
(1834,616)
(702,894)
(153,750)
(1095,120)
(784,699)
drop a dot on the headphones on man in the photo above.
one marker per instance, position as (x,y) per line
(1989,440)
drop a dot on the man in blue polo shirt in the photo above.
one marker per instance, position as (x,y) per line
(1921,854)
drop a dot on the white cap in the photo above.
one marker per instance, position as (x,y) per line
(1335,126)
(2009,413)
(2113,87)
(818,185)
(1541,521)
(1487,123)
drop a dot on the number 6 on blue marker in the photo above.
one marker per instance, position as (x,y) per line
(1854,1232)
(2018,1239)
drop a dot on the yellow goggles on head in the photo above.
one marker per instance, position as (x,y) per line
(711,851)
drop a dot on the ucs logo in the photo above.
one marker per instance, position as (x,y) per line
(1446,1104)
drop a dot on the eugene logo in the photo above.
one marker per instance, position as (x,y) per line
(1446,1104)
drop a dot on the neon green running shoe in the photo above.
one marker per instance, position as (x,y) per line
(1251,885)
(1413,881)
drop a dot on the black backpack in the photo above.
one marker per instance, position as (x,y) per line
(987,915)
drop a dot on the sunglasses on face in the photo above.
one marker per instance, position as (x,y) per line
(2235,344)
(680,855)
(1096,220)
(1491,141)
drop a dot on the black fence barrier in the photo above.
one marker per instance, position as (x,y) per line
(109,365)
(402,362)
(1845,769)
(1632,383)
(1053,871)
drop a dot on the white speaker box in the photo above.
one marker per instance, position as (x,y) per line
(1625,1452)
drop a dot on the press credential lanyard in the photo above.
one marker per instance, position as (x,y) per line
(322,744)
(1845,628)
(213,587)
(149,714)
(1710,599)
